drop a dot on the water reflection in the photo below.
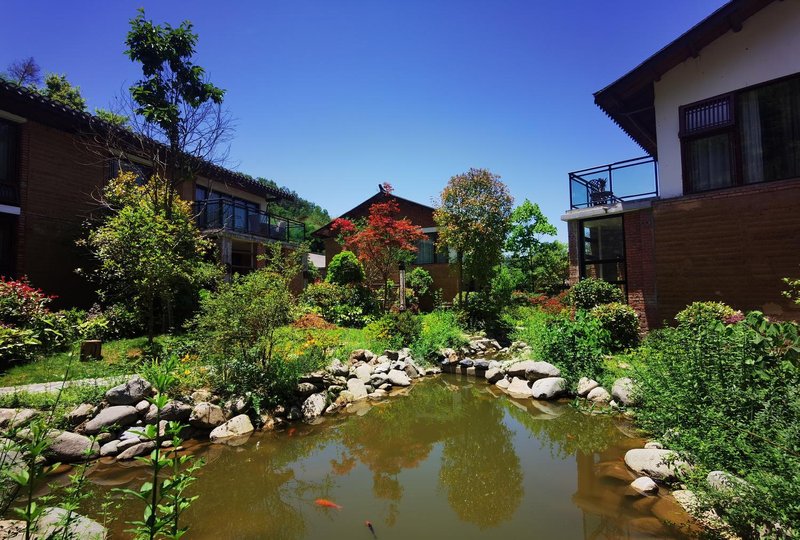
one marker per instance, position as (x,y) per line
(447,459)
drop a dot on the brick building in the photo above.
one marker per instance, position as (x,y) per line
(711,212)
(428,256)
(50,176)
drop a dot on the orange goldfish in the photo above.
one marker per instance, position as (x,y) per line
(325,503)
(371,528)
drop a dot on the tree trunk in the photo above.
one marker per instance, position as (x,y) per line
(460,277)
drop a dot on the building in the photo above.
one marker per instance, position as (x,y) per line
(428,257)
(711,213)
(50,177)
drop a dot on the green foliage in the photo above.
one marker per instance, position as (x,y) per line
(545,265)
(300,209)
(345,269)
(420,281)
(699,314)
(575,344)
(621,323)
(440,329)
(345,305)
(726,396)
(397,328)
(483,310)
(58,88)
(17,343)
(529,324)
(111,117)
(592,292)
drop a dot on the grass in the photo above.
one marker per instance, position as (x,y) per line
(120,357)
(70,397)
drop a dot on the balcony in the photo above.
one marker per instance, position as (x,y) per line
(227,215)
(610,184)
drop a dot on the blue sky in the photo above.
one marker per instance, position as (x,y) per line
(332,97)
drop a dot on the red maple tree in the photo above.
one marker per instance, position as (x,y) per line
(381,241)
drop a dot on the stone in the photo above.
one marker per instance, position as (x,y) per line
(519,388)
(338,369)
(541,370)
(306,388)
(503,384)
(177,411)
(313,406)
(118,415)
(377,394)
(51,525)
(399,378)
(363,372)
(267,421)
(622,391)
(411,371)
(586,385)
(391,355)
(68,447)
(383,367)
(206,416)
(493,375)
(599,395)
(549,387)
(110,449)
(435,370)
(142,407)
(481,364)
(655,463)
(645,485)
(127,443)
(344,397)
(235,406)
(235,427)
(466,362)
(138,449)
(80,414)
(130,392)
(361,355)
(202,395)
(518,369)
(294,413)
(722,481)
(357,389)
(16,417)
(653,444)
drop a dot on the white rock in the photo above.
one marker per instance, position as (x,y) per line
(132,391)
(623,390)
(357,388)
(50,525)
(399,378)
(313,406)
(16,417)
(549,388)
(653,445)
(207,416)
(363,372)
(503,384)
(599,395)
(645,485)
(541,370)
(519,388)
(235,427)
(655,463)
(118,415)
(135,450)
(586,385)
(493,375)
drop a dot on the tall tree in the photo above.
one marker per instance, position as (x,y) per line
(539,260)
(382,241)
(473,216)
(58,88)
(24,72)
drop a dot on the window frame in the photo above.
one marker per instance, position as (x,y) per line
(733,128)
(582,251)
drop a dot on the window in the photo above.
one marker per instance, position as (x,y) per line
(427,252)
(142,172)
(746,137)
(602,250)
(8,169)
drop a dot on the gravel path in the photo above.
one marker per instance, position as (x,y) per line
(39,388)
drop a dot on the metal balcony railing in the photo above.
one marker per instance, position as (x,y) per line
(227,215)
(609,184)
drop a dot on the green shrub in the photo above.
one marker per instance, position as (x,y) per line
(727,397)
(592,292)
(529,324)
(575,344)
(345,269)
(397,328)
(345,305)
(621,323)
(420,281)
(702,313)
(17,343)
(440,329)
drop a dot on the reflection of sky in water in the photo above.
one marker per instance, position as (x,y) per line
(448,460)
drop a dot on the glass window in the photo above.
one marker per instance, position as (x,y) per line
(603,249)
(7,133)
(426,253)
(709,162)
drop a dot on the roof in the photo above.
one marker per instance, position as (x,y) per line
(361,208)
(29,103)
(628,101)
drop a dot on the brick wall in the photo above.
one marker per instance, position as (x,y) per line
(573,228)
(640,266)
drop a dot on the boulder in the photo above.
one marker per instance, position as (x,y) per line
(622,391)
(383,367)
(206,416)
(143,406)
(541,370)
(110,448)
(116,416)
(548,388)
(306,388)
(135,450)
(398,378)
(519,388)
(653,444)
(80,414)
(599,395)
(393,356)
(361,355)
(645,485)
(357,389)
(51,525)
(313,406)
(493,375)
(503,384)
(68,447)
(16,417)
(202,395)
(481,364)
(363,372)
(411,371)
(130,392)
(586,385)
(655,463)
(466,362)
(235,406)
(722,481)
(173,411)
(338,369)
(235,427)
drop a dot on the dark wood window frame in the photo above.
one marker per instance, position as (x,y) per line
(582,263)
(731,127)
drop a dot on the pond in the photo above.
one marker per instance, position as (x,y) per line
(450,459)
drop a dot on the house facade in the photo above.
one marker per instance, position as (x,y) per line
(711,212)
(434,260)
(50,178)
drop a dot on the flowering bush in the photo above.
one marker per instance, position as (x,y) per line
(700,313)
(21,304)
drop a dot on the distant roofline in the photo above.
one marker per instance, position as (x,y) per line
(323,232)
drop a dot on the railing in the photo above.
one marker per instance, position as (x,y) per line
(227,215)
(9,193)
(608,184)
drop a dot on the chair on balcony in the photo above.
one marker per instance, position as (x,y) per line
(597,192)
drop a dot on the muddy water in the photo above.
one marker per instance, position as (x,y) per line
(448,460)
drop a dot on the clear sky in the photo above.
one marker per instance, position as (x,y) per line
(332,97)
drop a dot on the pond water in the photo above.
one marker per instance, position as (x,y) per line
(450,459)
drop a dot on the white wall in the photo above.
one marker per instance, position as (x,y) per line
(767,47)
